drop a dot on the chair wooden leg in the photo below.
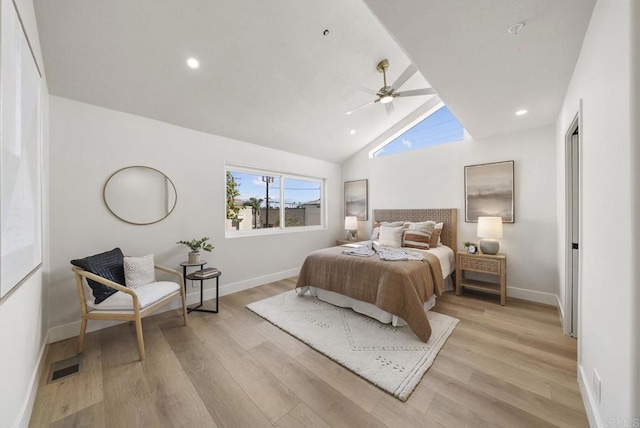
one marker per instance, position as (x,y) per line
(140,338)
(83,330)
(184,310)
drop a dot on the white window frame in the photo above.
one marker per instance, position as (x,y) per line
(282,228)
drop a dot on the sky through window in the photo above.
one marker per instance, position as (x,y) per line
(438,128)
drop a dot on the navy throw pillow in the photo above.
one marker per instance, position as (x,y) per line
(108,265)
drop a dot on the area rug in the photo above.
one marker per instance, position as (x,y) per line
(392,358)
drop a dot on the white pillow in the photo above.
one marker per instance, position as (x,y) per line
(375,233)
(139,271)
(390,236)
(392,223)
(376,230)
(423,226)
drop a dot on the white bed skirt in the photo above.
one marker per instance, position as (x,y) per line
(361,307)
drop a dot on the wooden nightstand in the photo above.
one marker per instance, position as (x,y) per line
(483,263)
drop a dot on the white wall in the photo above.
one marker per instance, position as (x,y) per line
(635,190)
(23,312)
(434,178)
(88,143)
(602,79)
(22,335)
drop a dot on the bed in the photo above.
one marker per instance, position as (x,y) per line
(396,292)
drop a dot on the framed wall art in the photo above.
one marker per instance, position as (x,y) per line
(355,199)
(20,157)
(488,191)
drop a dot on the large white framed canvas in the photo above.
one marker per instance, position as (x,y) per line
(488,191)
(355,199)
(20,155)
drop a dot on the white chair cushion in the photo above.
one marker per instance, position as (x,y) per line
(148,294)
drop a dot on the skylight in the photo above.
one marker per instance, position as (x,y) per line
(438,128)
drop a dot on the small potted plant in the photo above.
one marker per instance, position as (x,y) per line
(195,245)
(471,247)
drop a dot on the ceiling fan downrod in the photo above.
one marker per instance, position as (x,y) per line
(382,67)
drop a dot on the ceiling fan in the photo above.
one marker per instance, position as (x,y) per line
(386,94)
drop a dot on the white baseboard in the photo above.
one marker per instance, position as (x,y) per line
(235,287)
(22,421)
(533,296)
(72,329)
(588,399)
(560,307)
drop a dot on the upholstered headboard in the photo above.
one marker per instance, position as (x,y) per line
(448,216)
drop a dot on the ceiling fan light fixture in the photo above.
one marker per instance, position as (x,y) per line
(386,94)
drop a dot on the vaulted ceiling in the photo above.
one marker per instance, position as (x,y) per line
(283,74)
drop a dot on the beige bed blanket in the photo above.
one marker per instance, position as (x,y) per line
(398,287)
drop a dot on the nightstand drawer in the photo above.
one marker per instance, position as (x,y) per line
(480,264)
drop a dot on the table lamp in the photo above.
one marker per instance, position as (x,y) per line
(351,226)
(489,228)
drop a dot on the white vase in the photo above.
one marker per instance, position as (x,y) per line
(194,257)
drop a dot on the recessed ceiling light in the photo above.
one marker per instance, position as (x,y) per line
(353,131)
(193,63)
(515,28)
(521,112)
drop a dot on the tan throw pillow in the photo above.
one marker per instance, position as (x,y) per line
(390,236)
(435,238)
(416,239)
(439,226)
(139,271)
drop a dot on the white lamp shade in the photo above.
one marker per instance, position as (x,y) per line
(351,223)
(490,227)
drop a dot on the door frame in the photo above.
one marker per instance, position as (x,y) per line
(576,124)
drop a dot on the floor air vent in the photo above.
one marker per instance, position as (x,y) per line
(64,368)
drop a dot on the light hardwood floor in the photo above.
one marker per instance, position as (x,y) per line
(504,366)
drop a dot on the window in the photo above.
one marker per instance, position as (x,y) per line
(258,201)
(438,127)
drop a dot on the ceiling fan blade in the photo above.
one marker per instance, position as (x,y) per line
(425,91)
(361,107)
(406,74)
(365,90)
(390,108)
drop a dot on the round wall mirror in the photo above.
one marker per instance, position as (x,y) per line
(139,195)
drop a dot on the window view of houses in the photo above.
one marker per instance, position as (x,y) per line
(261,200)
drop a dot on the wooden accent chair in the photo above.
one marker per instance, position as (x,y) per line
(122,303)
